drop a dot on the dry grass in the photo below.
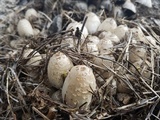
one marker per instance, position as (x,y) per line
(23,96)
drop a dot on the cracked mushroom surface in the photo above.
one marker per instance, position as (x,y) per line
(78,85)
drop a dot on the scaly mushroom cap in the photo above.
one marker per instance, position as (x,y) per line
(78,86)
(137,53)
(105,46)
(109,36)
(91,48)
(69,40)
(58,68)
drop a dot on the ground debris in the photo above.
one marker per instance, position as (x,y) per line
(127,72)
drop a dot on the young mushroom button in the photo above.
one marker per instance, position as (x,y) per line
(58,68)
(78,87)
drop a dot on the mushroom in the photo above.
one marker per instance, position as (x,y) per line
(118,13)
(77,26)
(93,39)
(17,43)
(31,14)
(107,5)
(91,48)
(81,6)
(138,35)
(58,67)
(78,85)
(147,3)
(34,58)
(128,5)
(92,22)
(105,46)
(120,31)
(24,28)
(105,61)
(137,53)
(36,31)
(109,36)
(109,24)
(70,41)
(142,68)
(124,98)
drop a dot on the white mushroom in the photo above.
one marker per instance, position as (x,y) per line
(69,40)
(34,58)
(93,39)
(106,62)
(152,40)
(141,67)
(118,13)
(138,35)
(92,22)
(91,48)
(137,53)
(120,31)
(24,28)
(31,14)
(105,46)
(58,68)
(109,24)
(36,31)
(109,36)
(130,6)
(78,86)
(147,3)
(74,26)
(124,98)
(17,43)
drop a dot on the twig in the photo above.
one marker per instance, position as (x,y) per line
(149,87)
(153,66)
(40,113)
(80,34)
(46,16)
(17,79)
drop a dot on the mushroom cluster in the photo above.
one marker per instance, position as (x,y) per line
(98,39)
(25,27)
(82,59)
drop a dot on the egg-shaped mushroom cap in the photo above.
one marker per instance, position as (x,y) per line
(74,26)
(34,59)
(109,24)
(92,22)
(78,86)
(58,68)
(24,28)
